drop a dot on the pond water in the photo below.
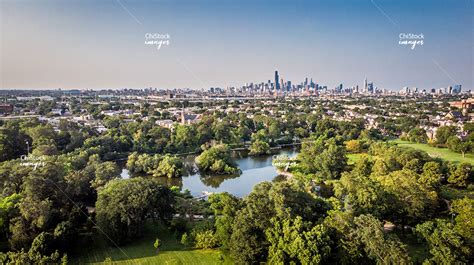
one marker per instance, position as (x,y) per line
(254,170)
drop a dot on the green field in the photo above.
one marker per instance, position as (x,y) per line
(142,251)
(443,153)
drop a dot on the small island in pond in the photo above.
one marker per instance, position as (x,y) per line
(217,159)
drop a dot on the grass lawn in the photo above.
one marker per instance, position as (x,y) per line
(443,153)
(142,251)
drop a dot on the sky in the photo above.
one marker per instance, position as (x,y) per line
(85,44)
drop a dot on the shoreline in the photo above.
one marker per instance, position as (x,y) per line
(287,174)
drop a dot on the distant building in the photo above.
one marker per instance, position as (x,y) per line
(457,89)
(47,98)
(465,105)
(277,81)
(454,115)
(165,123)
(6,108)
(370,88)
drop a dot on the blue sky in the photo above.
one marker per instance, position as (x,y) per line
(100,44)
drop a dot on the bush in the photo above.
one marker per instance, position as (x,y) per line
(205,239)
(185,240)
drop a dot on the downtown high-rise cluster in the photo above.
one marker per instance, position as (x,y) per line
(280,86)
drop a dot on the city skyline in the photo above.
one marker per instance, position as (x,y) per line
(82,44)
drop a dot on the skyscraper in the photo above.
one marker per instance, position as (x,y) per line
(365,86)
(370,88)
(277,81)
(457,89)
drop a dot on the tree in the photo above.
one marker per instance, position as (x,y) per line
(460,174)
(105,172)
(225,207)
(8,209)
(260,135)
(324,157)
(170,167)
(464,210)
(12,141)
(296,242)
(369,238)
(31,257)
(123,206)
(282,200)
(112,122)
(43,205)
(43,135)
(143,163)
(431,175)
(353,146)
(457,145)
(185,138)
(409,200)
(217,159)
(445,244)
(12,175)
(361,194)
(443,133)
(417,135)
(259,148)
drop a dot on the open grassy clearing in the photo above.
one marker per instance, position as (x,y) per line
(141,251)
(443,153)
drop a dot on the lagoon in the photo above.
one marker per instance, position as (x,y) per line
(254,169)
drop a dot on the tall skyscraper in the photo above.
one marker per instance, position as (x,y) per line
(457,89)
(370,88)
(365,86)
(277,81)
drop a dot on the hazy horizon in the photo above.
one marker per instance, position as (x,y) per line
(92,45)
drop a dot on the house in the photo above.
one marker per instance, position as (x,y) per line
(165,123)
(190,118)
(454,115)
(6,108)
(58,112)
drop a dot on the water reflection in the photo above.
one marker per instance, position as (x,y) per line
(178,182)
(215,181)
(253,171)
